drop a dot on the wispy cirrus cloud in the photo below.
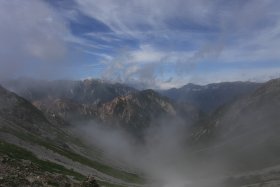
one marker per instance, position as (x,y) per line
(148,42)
(183,33)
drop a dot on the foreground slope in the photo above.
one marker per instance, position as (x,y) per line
(48,146)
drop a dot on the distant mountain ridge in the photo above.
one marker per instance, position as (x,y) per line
(242,133)
(102,102)
(71,100)
(90,91)
(209,97)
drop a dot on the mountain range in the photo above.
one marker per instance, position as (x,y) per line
(209,97)
(234,123)
(27,135)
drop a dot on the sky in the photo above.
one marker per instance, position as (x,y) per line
(147,43)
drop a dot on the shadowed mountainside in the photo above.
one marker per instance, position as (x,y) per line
(244,136)
(49,147)
(241,135)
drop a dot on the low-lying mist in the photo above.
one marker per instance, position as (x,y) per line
(164,157)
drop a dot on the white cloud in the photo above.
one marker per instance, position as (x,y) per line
(204,77)
(30,31)
(226,31)
(146,54)
(193,31)
(125,16)
(252,74)
(147,66)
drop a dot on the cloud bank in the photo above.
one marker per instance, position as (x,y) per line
(32,35)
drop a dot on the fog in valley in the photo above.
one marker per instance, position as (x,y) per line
(150,93)
(165,157)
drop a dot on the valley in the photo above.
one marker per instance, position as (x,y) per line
(139,93)
(126,137)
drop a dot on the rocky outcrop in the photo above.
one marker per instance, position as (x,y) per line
(135,112)
(20,172)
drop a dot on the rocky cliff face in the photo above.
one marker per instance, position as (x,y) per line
(68,110)
(135,112)
(70,100)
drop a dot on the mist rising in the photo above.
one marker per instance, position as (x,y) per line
(150,93)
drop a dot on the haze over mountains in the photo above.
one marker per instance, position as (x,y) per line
(128,137)
(139,93)
(25,126)
(209,97)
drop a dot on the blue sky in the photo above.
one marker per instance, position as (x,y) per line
(149,43)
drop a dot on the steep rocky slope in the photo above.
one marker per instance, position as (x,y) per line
(78,102)
(70,100)
(50,146)
(136,112)
(244,137)
(254,111)
(241,136)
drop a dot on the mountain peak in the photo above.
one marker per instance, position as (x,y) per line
(191,86)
